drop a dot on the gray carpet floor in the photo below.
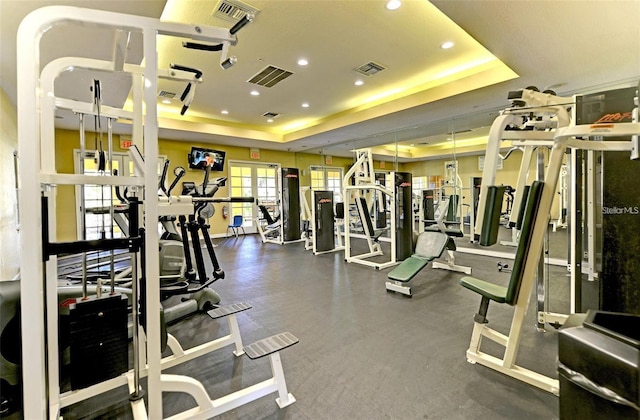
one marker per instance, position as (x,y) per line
(364,353)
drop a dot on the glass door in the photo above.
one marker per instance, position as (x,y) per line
(248,179)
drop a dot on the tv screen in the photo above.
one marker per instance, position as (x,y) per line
(200,158)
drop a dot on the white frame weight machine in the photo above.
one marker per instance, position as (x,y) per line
(36,147)
(365,184)
(566,136)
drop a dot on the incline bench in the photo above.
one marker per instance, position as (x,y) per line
(515,295)
(430,246)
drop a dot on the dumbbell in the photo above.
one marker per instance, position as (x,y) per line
(503,267)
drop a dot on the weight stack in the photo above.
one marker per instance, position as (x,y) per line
(404,215)
(619,210)
(99,341)
(428,209)
(380,208)
(324,235)
(290,182)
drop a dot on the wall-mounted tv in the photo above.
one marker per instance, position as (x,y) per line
(200,158)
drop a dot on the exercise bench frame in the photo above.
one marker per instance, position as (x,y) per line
(441,226)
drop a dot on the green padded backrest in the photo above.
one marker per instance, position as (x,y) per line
(521,209)
(431,244)
(367,217)
(491,217)
(452,210)
(528,220)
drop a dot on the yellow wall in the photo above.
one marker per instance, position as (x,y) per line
(9,251)
(176,152)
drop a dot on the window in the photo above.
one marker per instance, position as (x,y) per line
(419,183)
(327,178)
(98,199)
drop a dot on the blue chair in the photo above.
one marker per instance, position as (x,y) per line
(237,224)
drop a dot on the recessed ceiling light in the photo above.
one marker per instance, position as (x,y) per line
(358,83)
(254,93)
(270,120)
(224,111)
(446,45)
(166,101)
(303,62)
(305,105)
(393,4)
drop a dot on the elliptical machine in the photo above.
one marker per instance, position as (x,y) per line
(178,275)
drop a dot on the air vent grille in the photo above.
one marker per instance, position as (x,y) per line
(370,68)
(270,114)
(270,76)
(233,10)
(167,94)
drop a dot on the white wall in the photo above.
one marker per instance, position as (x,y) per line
(9,249)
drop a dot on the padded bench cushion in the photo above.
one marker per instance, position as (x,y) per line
(428,247)
(449,231)
(409,268)
(431,244)
(489,290)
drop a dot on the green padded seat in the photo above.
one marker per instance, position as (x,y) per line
(456,233)
(489,290)
(428,247)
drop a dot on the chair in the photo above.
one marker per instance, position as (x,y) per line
(237,224)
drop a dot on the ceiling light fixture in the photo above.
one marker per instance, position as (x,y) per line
(166,101)
(446,45)
(358,83)
(270,120)
(393,4)
(305,105)
(254,93)
(303,62)
(224,111)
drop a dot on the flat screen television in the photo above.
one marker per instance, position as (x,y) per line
(199,158)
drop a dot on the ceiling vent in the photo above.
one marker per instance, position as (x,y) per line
(370,68)
(270,114)
(167,94)
(233,10)
(270,76)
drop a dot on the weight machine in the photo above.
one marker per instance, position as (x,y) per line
(531,124)
(518,293)
(36,132)
(360,189)
(285,228)
(357,191)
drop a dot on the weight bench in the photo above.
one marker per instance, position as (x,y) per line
(517,293)
(429,246)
